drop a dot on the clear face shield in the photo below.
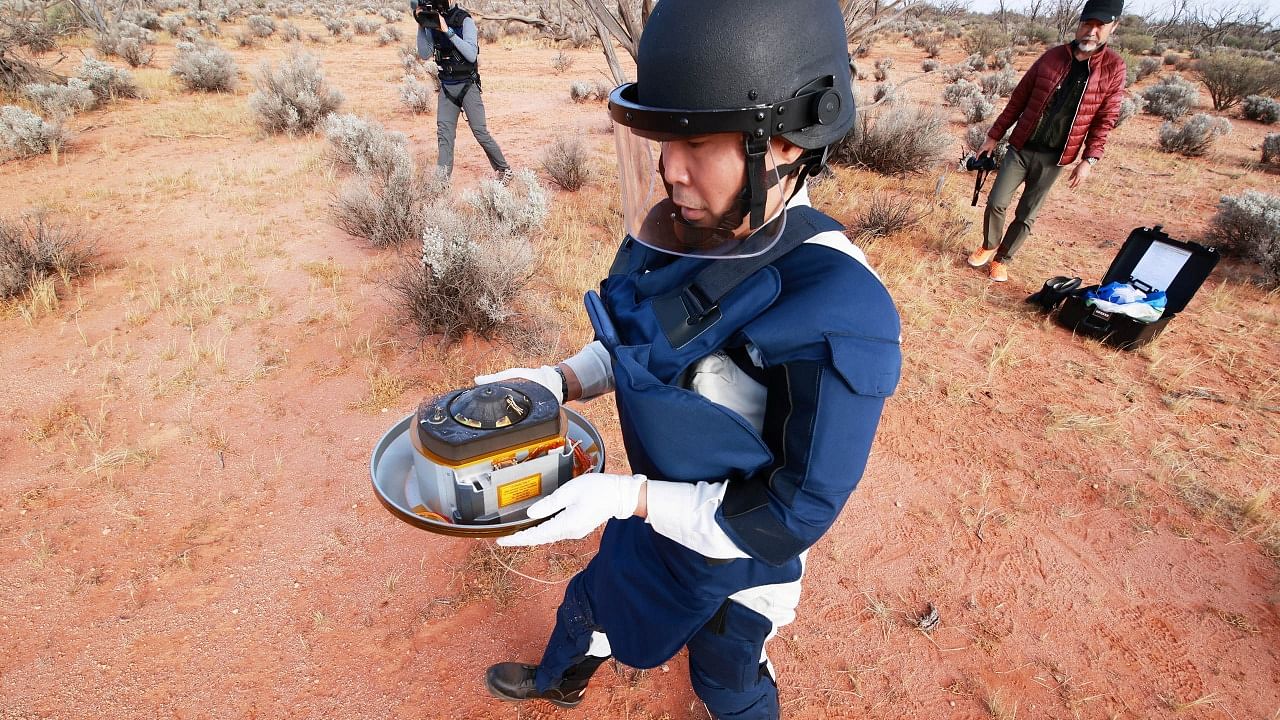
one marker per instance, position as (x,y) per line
(691,195)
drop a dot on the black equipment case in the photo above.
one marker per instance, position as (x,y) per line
(1150,260)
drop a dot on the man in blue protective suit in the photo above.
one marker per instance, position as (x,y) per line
(448,33)
(749,348)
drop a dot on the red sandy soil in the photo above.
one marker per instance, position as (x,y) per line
(1079,516)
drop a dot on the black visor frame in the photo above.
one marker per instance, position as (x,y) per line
(811,106)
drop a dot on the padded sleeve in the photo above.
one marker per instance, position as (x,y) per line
(820,421)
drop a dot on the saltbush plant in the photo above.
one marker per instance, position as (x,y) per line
(387,210)
(417,96)
(1271,148)
(1000,84)
(1249,225)
(107,82)
(23,133)
(1172,97)
(62,101)
(1194,137)
(293,98)
(566,162)
(1130,106)
(465,281)
(366,145)
(204,67)
(955,92)
(1260,109)
(903,140)
(976,108)
(519,207)
(1147,67)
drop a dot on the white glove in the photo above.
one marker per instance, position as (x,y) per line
(546,376)
(586,502)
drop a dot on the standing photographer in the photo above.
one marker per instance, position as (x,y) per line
(1069,99)
(449,32)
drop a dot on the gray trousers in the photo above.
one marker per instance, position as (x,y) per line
(1039,170)
(447,126)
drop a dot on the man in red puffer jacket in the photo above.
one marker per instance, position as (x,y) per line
(1069,99)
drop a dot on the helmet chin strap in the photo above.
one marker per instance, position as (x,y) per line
(755,193)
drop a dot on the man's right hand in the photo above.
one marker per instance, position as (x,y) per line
(988,146)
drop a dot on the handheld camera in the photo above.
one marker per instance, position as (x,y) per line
(429,12)
(984,165)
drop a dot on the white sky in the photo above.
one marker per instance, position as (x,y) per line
(1270,8)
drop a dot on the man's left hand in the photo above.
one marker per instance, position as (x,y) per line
(585,503)
(1080,173)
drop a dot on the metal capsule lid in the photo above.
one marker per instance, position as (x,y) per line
(490,406)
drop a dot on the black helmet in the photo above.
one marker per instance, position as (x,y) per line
(765,68)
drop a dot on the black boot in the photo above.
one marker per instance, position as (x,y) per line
(515,682)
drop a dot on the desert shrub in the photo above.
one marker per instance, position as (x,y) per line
(902,140)
(1194,137)
(1261,109)
(976,135)
(1230,78)
(885,92)
(204,67)
(1171,58)
(561,62)
(335,26)
(146,19)
(38,37)
(293,98)
(886,214)
(366,145)
(566,162)
(464,281)
(930,65)
(36,247)
(62,100)
(1249,225)
(134,51)
(389,15)
(1130,106)
(106,82)
(976,108)
(932,47)
(1147,67)
(1130,68)
(1136,44)
(23,133)
(1271,148)
(501,210)
(388,34)
(172,24)
(261,26)
(984,40)
(365,26)
(387,210)
(999,84)
(581,91)
(1003,60)
(290,32)
(489,31)
(882,68)
(1041,33)
(417,96)
(974,63)
(246,39)
(955,92)
(1172,97)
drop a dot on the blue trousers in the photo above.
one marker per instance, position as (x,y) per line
(724,656)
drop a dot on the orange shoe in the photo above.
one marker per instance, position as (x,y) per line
(999,271)
(981,257)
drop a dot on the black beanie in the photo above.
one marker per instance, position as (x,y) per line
(1104,11)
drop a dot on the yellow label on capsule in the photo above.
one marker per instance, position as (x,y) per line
(517,490)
